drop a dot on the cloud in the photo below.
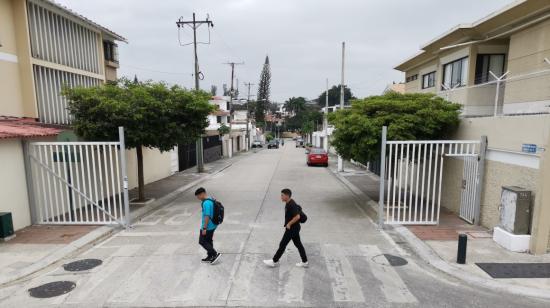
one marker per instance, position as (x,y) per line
(302,37)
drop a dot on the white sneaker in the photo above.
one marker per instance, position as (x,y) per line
(302,264)
(270,263)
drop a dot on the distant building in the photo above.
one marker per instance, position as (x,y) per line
(395,87)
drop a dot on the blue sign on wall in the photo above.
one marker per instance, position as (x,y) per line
(529,148)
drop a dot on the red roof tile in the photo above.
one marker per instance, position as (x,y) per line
(11,127)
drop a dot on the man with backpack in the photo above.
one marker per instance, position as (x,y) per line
(212,216)
(293,217)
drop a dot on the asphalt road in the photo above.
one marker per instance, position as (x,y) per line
(157,262)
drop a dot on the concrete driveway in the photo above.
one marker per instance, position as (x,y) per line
(157,262)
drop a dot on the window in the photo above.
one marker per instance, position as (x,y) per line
(110,50)
(412,78)
(489,63)
(218,119)
(455,74)
(428,80)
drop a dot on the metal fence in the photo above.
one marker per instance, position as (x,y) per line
(79,182)
(411,179)
(509,94)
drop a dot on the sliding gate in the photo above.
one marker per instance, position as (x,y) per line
(79,182)
(412,174)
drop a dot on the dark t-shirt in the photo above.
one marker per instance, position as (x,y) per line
(291,210)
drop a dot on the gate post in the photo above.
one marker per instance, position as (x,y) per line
(479,178)
(382,177)
(122,153)
(29,180)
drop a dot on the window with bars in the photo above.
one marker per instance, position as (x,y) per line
(52,106)
(58,39)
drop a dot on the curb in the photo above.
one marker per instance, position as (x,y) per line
(99,234)
(428,255)
(88,239)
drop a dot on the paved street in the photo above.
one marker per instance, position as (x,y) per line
(157,263)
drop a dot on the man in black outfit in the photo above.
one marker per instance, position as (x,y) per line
(292,231)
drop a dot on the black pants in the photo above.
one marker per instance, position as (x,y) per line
(294,235)
(207,243)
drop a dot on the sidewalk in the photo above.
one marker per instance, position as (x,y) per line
(437,245)
(36,247)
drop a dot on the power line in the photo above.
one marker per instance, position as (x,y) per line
(152,70)
(195,24)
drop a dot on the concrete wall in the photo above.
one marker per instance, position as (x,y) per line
(13,187)
(156,166)
(9,67)
(528,48)
(505,163)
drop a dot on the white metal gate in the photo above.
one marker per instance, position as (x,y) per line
(79,182)
(411,179)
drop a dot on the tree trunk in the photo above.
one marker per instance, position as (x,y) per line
(141,182)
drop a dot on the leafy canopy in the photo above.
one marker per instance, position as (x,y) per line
(152,114)
(415,116)
(334,96)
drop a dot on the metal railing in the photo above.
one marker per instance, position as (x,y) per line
(507,94)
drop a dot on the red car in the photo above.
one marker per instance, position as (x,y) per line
(317,156)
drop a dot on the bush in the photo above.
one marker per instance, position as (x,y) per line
(415,116)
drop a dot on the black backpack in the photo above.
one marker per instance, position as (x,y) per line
(303,216)
(218,212)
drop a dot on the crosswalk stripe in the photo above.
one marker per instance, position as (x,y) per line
(344,283)
(393,287)
(241,280)
(291,284)
(137,283)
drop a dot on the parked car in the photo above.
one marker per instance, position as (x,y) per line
(299,143)
(317,156)
(273,144)
(257,144)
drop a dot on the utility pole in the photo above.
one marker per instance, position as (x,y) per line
(340,160)
(247,115)
(195,24)
(325,122)
(231,93)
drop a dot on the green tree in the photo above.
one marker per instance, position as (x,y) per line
(295,104)
(408,117)
(334,96)
(264,90)
(153,115)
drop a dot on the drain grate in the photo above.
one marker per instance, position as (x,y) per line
(395,260)
(516,270)
(52,289)
(82,265)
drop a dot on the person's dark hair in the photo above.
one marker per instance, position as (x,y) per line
(287,192)
(199,191)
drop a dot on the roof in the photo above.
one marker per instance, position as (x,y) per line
(86,20)
(12,127)
(502,21)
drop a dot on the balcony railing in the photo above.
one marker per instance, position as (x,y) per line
(512,95)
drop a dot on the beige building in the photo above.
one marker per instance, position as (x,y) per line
(43,47)
(498,69)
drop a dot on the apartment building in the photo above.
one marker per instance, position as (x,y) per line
(43,47)
(498,69)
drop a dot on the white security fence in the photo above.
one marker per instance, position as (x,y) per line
(79,182)
(411,179)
